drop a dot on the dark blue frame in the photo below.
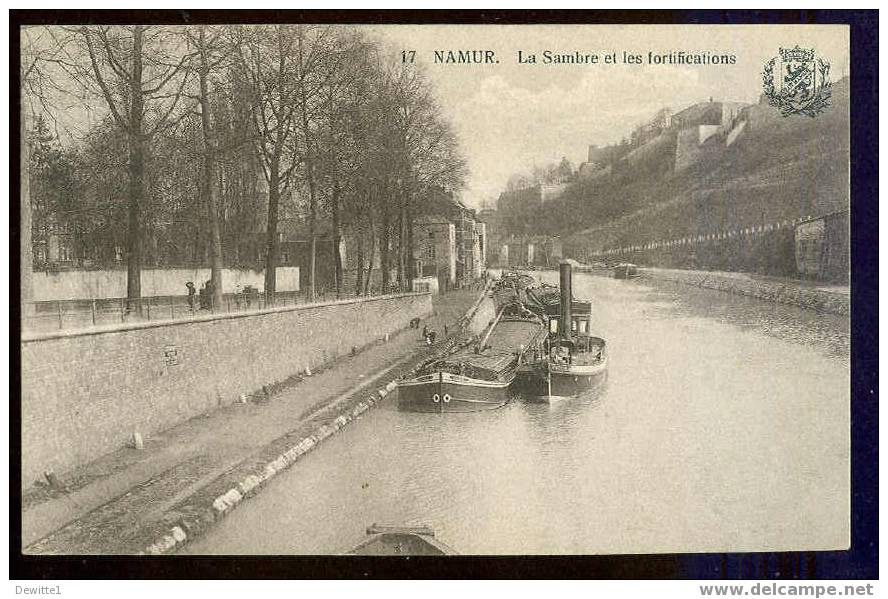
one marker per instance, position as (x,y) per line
(860,562)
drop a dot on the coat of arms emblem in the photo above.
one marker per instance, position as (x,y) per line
(797,82)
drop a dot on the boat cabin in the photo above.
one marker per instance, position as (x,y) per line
(583,349)
(580,321)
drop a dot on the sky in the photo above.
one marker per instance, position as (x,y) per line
(510,116)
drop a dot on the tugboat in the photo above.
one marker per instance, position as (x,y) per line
(573,360)
(478,377)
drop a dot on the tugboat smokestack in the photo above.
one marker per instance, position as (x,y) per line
(566,295)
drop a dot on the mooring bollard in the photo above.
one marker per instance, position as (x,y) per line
(137,441)
(92,310)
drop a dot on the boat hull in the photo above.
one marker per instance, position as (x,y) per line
(442,392)
(551,383)
(394,540)
(574,380)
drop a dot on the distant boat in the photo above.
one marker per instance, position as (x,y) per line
(478,376)
(400,540)
(625,271)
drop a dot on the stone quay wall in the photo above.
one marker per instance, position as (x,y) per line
(778,291)
(85,393)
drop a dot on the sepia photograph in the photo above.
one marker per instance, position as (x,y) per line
(330,286)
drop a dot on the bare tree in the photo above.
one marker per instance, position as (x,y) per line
(141,74)
(427,149)
(320,65)
(343,116)
(40,46)
(213,47)
(270,69)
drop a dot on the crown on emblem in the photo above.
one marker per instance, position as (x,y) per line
(796,54)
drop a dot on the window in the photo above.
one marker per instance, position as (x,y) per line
(430,252)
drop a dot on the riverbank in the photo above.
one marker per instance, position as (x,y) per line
(821,297)
(181,481)
(833,299)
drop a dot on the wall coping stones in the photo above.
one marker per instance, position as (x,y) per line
(122,327)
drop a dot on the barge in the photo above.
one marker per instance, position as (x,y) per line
(476,376)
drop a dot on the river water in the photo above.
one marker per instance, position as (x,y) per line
(723,425)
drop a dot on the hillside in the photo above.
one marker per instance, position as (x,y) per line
(777,168)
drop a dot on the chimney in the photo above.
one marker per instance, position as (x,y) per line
(566,296)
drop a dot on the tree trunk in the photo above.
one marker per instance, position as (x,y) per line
(271,245)
(26,252)
(312,266)
(384,247)
(136,180)
(411,274)
(208,186)
(370,263)
(401,249)
(359,275)
(337,239)
(309,171)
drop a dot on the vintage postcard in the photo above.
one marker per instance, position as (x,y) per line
(400,289)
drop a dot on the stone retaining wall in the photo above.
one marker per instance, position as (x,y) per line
(779,292)
(85,393)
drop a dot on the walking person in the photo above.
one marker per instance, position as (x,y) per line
(191,291)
